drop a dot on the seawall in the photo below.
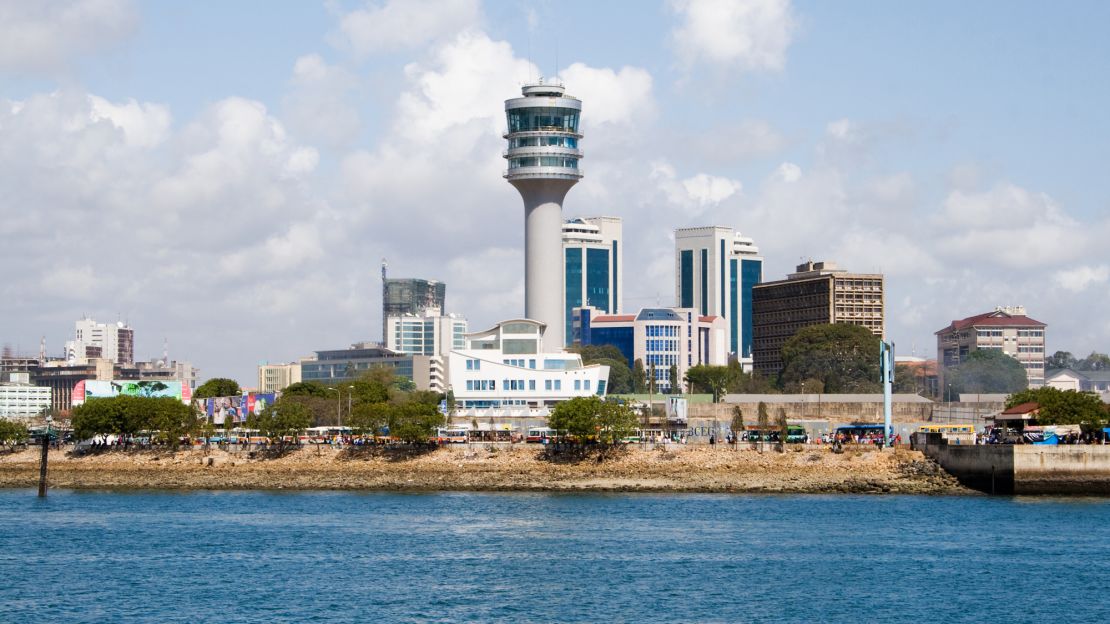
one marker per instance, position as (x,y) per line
(1023,468)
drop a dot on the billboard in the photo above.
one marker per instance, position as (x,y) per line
(97,389)
(236,408)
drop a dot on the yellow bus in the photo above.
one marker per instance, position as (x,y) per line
(952,433)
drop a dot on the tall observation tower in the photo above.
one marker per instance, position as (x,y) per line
(543,159)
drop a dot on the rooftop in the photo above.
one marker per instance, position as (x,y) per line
(997,318)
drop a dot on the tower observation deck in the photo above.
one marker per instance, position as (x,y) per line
(543,160)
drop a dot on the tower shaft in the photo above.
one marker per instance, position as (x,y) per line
(543,254)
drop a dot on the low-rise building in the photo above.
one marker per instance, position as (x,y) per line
(504,373)
(277,377)
(1007,329)
(659,337)
(22,401)
(337,365)
(1079,381)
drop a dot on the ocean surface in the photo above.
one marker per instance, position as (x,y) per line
(523,557)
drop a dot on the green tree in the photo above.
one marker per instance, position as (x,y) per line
(1064,407)
(764,423)
(845,358)
(1061,359)
(593,353)
(907,379)
(577,417)
(620,377)
(709,379)
(306,388)
(987,371)
(369,418)
(615,422)
(740,382)
(639,377)
(414,421)
(1095,362)
(737,424)
(12,432)
(282,418)
(676,383)
(173,420)
(217,387)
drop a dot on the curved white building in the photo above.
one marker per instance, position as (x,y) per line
(543,160)
(505,374)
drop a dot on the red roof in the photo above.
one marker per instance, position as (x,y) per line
(1024,408)
(993,319)
(614,318)
(706,319)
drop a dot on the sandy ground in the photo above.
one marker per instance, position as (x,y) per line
(490,468)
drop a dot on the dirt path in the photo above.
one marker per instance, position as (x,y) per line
(478,468)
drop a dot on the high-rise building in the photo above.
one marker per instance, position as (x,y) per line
(715,270)
(818,293)
(659,337)
(592,267)
(543,160)
(431,333)
(412,296)
(1007,329)
(111,341)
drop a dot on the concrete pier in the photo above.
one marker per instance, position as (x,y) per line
(1023,468)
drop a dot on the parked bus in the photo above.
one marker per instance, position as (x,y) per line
(452,435)
(953,434)
(795,434)
(540,435)
(861,432)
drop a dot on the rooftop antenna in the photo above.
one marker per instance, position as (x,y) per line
(385,265)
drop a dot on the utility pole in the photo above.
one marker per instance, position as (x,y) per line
(886,376)
(45,456)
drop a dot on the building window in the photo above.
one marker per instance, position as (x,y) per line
(586,385)
(577,385)
(546,384)
(558,384)
(705,281)
(687,272)
(532,384)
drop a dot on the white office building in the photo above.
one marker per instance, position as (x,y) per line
(114,342)
(504,373)
(277,377)
(20,401)
(715,270)
(591,267)
(431,333)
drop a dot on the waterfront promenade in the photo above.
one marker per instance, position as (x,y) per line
(489,467)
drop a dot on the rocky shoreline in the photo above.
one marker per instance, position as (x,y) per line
(812,470)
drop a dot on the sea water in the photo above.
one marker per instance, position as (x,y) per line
(525,557)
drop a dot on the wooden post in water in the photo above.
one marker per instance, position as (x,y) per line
(42,463)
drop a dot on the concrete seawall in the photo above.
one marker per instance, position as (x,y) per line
(1023,468)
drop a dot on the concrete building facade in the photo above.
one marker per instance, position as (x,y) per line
(659,337)
(1007,329)
(23,401)
(716,269)
(817,293)
(277,377)
(111,341)
(543,160)
(337,365)
(430,333)
(592,264)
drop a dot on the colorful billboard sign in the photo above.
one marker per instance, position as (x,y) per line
(97,389)
(235,408)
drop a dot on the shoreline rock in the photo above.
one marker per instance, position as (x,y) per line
(492,468)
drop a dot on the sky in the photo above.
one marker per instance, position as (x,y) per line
(228,176)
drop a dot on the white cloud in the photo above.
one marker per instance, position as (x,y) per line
(789,172)
(49,35)
(748,34)
(621,98)
(319,106)
(398,24)
(1082,277)
(143,124)
(707,189)
(70,282)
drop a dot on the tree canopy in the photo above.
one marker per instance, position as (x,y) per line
(585,418)
(305,388)
(709,379)
(842,357)
(217,387)
(129,415)
(414,420)
(987,371)
(1063,407)
(12,431)
(1064,359)
(281,419)
(620,376)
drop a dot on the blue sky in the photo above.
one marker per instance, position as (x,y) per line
(228,175)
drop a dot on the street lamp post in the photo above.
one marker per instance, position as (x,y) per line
(949,393)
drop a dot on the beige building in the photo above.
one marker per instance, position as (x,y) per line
(277,377)
(818,293)
(1007,329)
